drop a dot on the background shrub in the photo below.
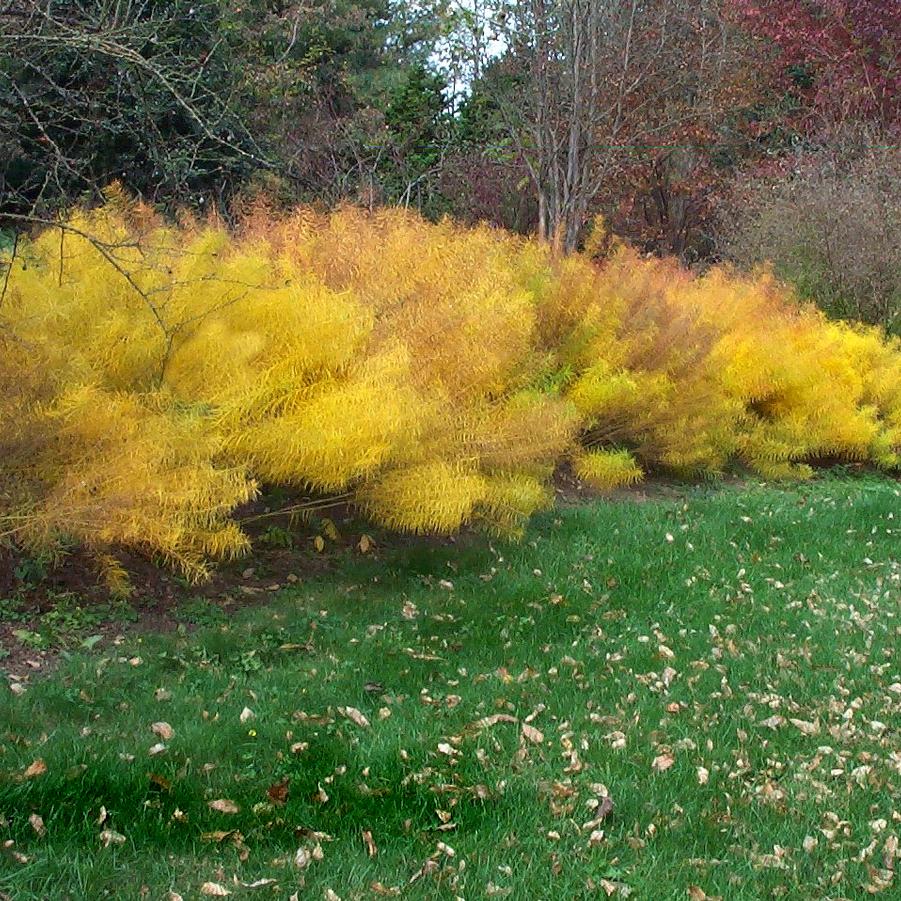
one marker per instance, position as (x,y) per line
(831,226)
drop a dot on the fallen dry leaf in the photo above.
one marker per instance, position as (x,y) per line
(223,805)
(278,792)
(890,852)
(486,722)
(17,856)
(806,727)
(160,781)
(111,837)
(430,866)
(880,880)
(419,655)
(604,809)
(36,768)
(214,890)
(162,730)
(662,763)
(536,736)
(409,610)
(703,775)
(37,823)
(371,849)
(246,714)
(216,836)
(355,716)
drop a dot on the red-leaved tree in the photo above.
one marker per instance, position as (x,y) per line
(841,56)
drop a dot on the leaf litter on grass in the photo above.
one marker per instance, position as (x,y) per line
(734,722)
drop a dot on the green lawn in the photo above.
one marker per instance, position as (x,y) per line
(723,666)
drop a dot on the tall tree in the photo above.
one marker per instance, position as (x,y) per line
(188,101)
(139,90)
(842,56)
(599,95)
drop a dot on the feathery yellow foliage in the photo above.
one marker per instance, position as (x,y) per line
(123,470)
(434,375)
(428,497)
(606,469)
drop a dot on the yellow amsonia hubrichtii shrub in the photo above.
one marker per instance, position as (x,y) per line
(433,375)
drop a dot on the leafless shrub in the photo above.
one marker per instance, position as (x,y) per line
(830,225)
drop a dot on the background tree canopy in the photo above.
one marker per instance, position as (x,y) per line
(536,115)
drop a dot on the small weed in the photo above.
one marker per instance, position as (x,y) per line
(32,571)
(66,624)
(12,611)
(277,537)
(30,639)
